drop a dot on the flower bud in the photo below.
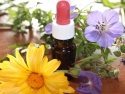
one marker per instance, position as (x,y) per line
(74,72)
(122,48)
(116,72)
(117,53)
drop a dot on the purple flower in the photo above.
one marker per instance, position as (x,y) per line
(90,83)
(123,61)
(103,28)
(48,27)
(73,14)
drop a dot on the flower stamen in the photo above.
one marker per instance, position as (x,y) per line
(85,82)
(35,81)
(101,27)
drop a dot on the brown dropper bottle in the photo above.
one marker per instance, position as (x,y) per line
(63,48)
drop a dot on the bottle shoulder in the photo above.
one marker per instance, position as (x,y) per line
(71,45)
(64,43)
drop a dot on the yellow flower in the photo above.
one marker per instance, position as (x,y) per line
(36,76)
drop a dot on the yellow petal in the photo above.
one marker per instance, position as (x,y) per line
(43,65)
(38,56)
(43,90)
(5,64)
(25,89)
(52,66)
(58,78)
(20,60)
(29,53)
(8,88)
(52,87)
(15,63)
(34,56)
(68,90)
(17,77)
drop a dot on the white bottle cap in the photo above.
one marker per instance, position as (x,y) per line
(63,32)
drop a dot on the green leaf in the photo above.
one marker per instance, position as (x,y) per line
(84,17)
(79,48)
(111,60)
(117,53)
(111,74)
(107,3)
(50,14)
(122,48)
(104,74)
(108,51)
(110,4)
(12,13)
(105,53)
(18,45)
(44,36)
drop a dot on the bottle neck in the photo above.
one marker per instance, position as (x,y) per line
(67,42)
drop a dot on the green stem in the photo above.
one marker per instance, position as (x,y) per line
(94,66)
(81,23)
(87,5)
(86,60)
(89,52)
(90,67)
(123,15)
(65,71)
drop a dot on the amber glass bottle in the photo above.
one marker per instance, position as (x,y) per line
(65,51)
(63,32)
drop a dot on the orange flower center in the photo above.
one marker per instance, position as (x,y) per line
(35,81)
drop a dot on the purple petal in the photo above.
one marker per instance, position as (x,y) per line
(48,28)
(123,61)
(105,40)
(72,8)
(92,34)
(74,15)
(88,89)
(86,74)
(94,87)
(94,17)
(116,30)
(97,82)
(110,16)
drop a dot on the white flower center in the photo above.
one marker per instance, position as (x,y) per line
(101,26)
(89,83)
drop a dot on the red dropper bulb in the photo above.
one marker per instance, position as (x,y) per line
(63,13)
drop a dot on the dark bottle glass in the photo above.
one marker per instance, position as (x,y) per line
(65,51)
